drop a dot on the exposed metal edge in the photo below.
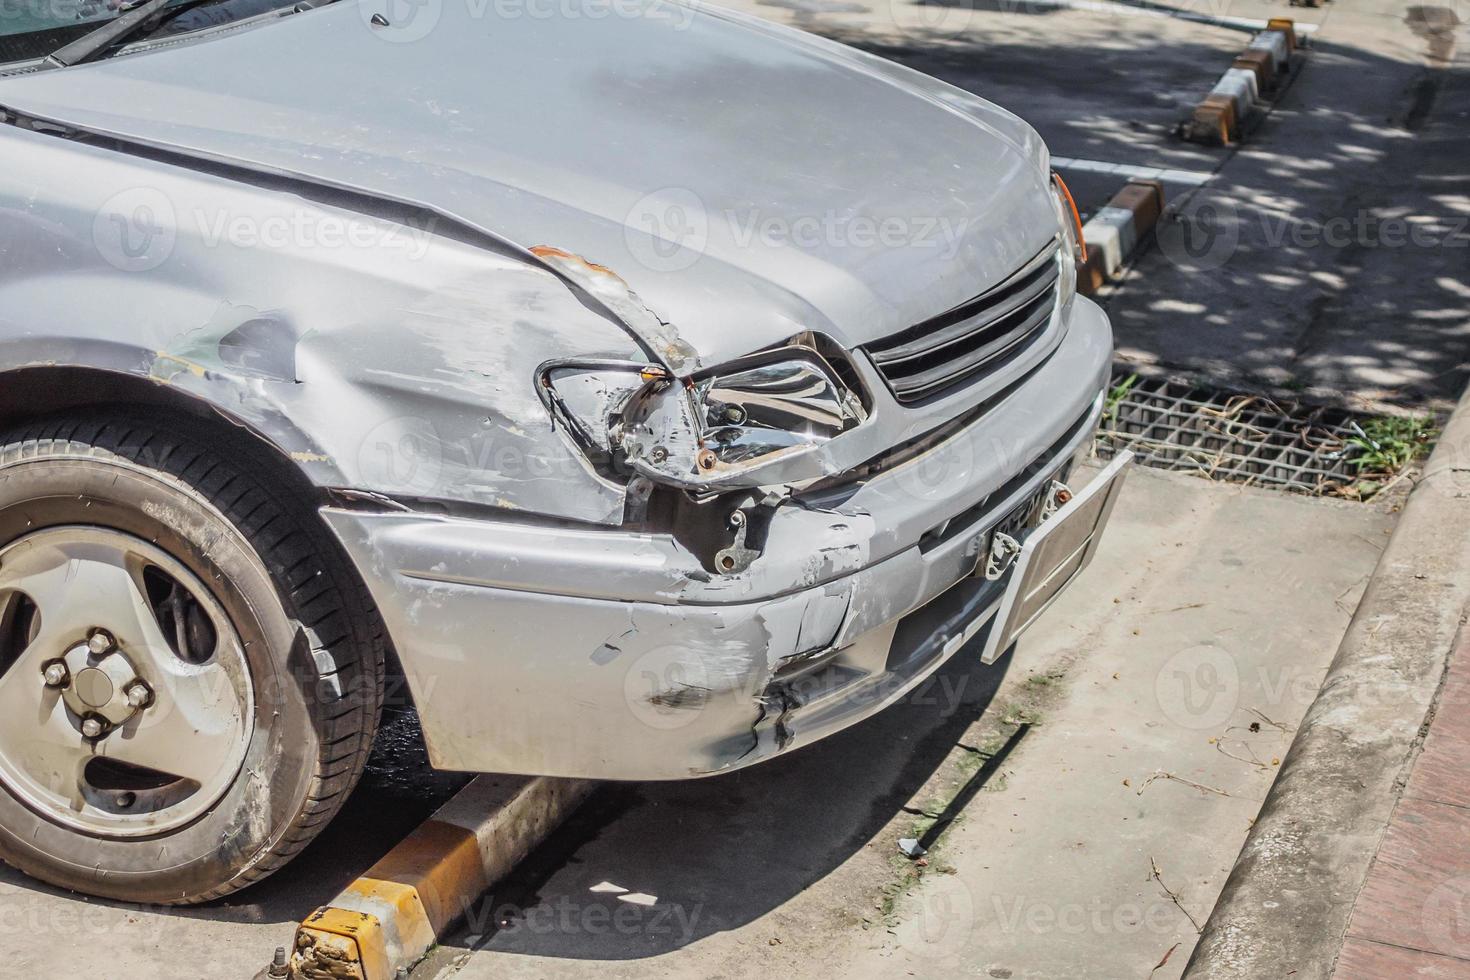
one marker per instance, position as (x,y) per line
(1285,908)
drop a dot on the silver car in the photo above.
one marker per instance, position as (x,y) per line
(653,388)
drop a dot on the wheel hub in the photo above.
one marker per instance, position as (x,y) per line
(126,701)
(104,685)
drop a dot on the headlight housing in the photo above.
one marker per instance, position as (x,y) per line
(755,421)
(1074,244)
(1070,217)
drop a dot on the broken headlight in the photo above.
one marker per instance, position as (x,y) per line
(757,421)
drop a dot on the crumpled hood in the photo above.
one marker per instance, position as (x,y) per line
(747,181)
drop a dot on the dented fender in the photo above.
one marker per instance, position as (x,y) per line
(405,370)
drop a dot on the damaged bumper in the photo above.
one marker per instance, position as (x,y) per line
(601,653)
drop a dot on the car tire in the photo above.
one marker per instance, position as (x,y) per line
(240,748)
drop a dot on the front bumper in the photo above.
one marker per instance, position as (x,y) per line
(604,654)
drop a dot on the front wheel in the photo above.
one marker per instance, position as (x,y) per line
(190,674)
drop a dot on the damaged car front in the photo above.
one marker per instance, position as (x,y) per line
(655,424)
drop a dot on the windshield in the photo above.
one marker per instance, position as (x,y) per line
(31,29)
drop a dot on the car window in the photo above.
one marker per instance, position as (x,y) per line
(31,29)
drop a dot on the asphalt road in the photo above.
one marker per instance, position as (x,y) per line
(1327,256)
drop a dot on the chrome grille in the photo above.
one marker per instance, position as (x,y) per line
(994,327)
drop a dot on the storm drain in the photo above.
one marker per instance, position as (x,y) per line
(1250,439)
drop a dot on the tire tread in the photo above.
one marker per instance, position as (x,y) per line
(315,582)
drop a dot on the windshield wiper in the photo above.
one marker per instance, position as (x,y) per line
(134,19)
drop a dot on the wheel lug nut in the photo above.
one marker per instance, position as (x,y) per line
(100,642)
(91,727)
(125,800)
(56,674)
(140,695)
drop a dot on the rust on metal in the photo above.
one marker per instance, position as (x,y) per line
(552,252)
(333,944)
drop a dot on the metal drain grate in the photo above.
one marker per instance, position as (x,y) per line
(1234,437)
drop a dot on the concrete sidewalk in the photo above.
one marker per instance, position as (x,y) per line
(1285,909)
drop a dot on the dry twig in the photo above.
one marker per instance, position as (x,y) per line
(1180,779)
(1252,761)
(1174,898)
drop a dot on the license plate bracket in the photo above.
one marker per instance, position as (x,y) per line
(1053,555)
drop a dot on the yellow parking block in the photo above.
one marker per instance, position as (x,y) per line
(385,921)
(334,944)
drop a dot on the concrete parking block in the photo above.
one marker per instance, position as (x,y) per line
(385,921)
(1213,122)
(1239,86)
(1265,59)
(1258,63)
(1276,45)
(1115,231)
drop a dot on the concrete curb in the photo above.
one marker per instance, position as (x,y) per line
(1116,230)
(1221,117)
(385,921)
(1285,907)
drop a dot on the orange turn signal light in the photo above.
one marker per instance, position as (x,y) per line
(1071,208)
